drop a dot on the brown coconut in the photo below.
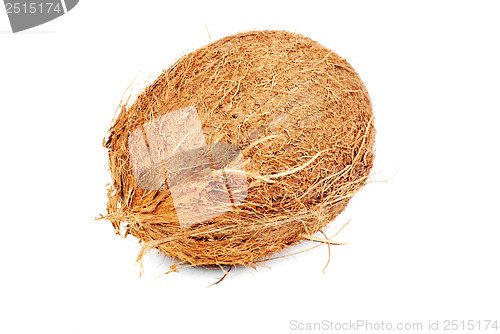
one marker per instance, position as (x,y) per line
(301,120)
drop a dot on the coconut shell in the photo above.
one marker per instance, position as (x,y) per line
(278,136)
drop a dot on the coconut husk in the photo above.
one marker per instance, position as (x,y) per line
(289,134)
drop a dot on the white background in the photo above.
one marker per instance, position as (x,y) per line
(423,246)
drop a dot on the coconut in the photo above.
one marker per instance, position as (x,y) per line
(240,149)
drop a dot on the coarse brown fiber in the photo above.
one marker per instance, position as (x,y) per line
(303,121)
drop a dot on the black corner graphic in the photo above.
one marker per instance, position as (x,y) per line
(26,14)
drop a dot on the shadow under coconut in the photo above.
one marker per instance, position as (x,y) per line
(215,275)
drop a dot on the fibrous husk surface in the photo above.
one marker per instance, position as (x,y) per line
(292,117)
